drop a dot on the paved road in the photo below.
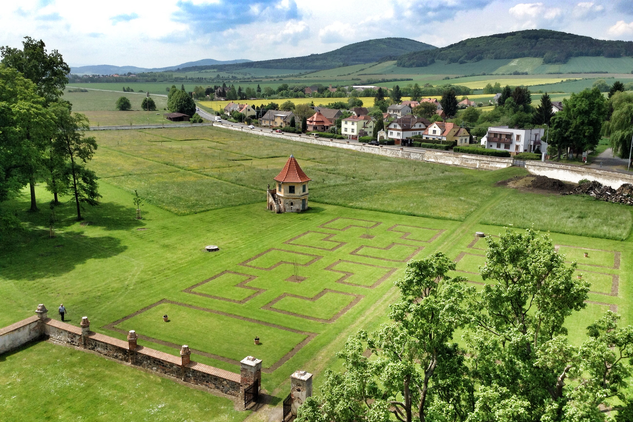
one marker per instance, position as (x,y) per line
(608,161)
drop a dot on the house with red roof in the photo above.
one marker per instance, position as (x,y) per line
(290,193)
(465,103)
(318,123)
(447,132)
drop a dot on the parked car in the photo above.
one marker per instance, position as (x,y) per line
(278,131)
(373,143)
(251,127)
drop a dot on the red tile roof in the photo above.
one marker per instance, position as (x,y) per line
(318,119)
(292,173)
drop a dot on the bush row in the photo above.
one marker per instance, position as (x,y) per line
(482,151)
(365,139)
(444,147)
(328,135)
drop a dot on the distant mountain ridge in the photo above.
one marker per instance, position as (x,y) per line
(552,46)
(363,52)
(105,69)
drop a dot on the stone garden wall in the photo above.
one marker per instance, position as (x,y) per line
(179,367)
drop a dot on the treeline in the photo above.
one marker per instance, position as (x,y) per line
(551,46)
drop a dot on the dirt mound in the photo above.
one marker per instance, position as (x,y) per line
(545,183)
(623,195)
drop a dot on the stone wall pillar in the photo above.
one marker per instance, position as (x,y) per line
(300,389)
(132,339)
(250,372)
(185,355)
(42,312)
(85,330)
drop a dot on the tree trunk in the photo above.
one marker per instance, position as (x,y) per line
(72,166)
(407,399)
(33,201)
(56,200)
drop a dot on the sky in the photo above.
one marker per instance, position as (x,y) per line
(158,33)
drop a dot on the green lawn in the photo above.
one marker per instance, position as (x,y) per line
(303,282)
(48,382)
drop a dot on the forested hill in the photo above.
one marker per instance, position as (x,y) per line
(359,53)
(552,46)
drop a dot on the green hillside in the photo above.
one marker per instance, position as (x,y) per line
(552,46)
(358,53)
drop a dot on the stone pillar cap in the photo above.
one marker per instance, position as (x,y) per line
(250,361)
(132,335)
(41,308)
(85,322)
(184,350)
(301,375)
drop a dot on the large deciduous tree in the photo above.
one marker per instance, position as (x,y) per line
(414,364)
(49,73)
(620,128)
(181,102)
(77,149)
(578,125)
(25,128)
(425,109)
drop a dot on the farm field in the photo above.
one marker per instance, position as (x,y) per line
(301,282)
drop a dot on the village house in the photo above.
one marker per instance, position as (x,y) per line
(465,103)
(449,132)
(231,107)
(398,110)
(357,126)
(557,106)
(331,114)
(411,104)
(405,128)
(276,118)
(291,189)
(360,111)
(318,123)
(514,141)
(246,110)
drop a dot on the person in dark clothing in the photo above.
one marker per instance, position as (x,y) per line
(62,311)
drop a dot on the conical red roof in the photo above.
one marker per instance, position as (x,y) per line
(292,173)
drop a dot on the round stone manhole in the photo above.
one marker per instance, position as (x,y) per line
(212,248)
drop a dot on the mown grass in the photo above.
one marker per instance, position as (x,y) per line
(580,215)
(193,179)
(48,382)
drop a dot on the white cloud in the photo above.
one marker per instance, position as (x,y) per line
(293,32)
(535,15)
(587,11)
(336,33)
(621,28)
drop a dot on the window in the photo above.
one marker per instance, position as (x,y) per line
(278,187)
(304,189)
(291,189)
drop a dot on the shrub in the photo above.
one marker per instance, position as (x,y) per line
(444,147)
(387,142)
(365,139)
(289,129)
(148,104)
(528,156)
(327,135)
(439,142)
(584,181)
(416,143)
(482,151)
(196,118)
(123,104)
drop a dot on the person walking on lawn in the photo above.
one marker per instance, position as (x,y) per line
(62,310)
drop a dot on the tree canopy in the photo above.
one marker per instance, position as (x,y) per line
(515,362)
(449,103)
(181,102)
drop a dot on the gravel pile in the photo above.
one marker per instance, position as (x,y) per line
(545,183)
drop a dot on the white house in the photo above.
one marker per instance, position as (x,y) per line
(406,127)
(514,141)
